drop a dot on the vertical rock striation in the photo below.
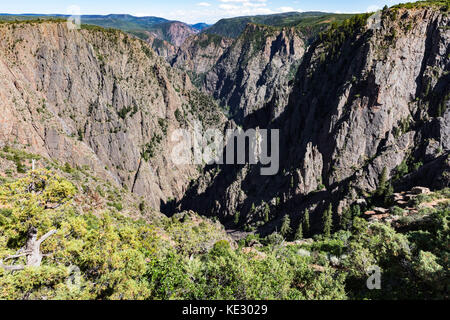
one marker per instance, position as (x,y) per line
(98,98)
(369,96)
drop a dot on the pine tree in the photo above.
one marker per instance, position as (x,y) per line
(306,225)
(382,185)
(346,219)
(328,221)
(266,213)
(299,233)
(389,192)
(356,211)
(286,226)
(236,217)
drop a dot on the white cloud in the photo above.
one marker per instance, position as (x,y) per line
(373,8)
(254,5)
(234,1)
(233,8)
(244,1)
(288,9)
(212,11)
(234,11)
(228,7)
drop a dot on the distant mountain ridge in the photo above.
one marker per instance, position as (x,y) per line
(200,26)
(151,20)
(174,32)
(233,27)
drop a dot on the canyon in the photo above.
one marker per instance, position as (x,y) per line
(364,96)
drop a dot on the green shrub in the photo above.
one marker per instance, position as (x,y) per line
(221,246)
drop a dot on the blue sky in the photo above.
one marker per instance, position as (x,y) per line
(191,11)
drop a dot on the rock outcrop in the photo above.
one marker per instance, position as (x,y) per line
(200,53)
(369,97)
(98,98)
(163,48)
(174,32)
(255,71)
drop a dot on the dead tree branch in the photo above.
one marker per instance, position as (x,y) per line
(32,251)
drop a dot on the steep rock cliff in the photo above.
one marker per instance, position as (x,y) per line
(369,96)
(161,47)
(256,69)
(97,98)
(200,53)
(174,32)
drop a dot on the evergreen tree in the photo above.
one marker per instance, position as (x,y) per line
(306,225)
(328,221)
(346,219)
(266,213)
(388,195)
(299,232)
(286,226)
(382,185)
(356,211)
(237,217)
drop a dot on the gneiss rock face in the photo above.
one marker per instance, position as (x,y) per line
(200,53)
(367,96)
(161,47)
(174,32)
(246,74)
(97,98)
(255,71)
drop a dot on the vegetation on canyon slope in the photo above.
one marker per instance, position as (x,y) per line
(123,255)
(309,22)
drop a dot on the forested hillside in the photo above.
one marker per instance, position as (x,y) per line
(110,245)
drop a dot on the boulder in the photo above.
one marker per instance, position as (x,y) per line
(420,190)
(380,210)
(361,202)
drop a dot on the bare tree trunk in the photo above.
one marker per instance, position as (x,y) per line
(32,251)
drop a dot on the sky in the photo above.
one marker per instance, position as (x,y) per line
(190,11)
